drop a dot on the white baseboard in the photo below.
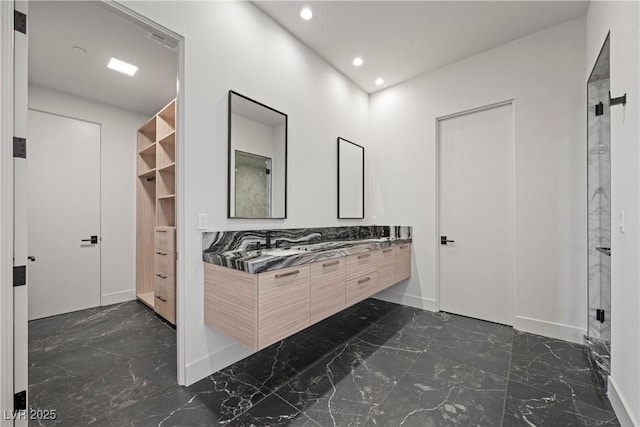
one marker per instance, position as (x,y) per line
(214,362)
(409,300)
(550,329)
(118,297)
(620,406)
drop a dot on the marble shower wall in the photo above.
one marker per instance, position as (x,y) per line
(252,192)
(599,206)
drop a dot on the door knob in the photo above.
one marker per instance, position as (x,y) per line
(93,240)
(444,241)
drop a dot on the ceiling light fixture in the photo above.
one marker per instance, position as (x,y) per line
(306,14)
(379,81)
(358,61)
(123,67)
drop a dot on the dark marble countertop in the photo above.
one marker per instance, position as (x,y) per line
(259,261)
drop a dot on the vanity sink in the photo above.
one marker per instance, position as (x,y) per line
(283,252)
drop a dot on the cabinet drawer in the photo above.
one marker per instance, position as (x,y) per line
(283,307)
(327,288)
(386,268)
(361,288)
(164,261)
(165,296)
(403,262)
(361,264)
(165,238)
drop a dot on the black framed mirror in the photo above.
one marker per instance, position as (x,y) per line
(257,175)
(350,180)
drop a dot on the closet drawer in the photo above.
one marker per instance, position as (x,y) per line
(361,264)
(386,267)
(164,261)
(283,307)
(361,288)
(165,296)
(403,262)
(327,288)
(165,238)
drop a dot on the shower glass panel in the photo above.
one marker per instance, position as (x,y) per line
(252,185)
(599,211)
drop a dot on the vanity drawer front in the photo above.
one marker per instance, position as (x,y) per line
(165,238)
(165,296)
(361,264)
(403,262)
(327,288)
(283,307)
(361,288)
(386,268)
(164,261)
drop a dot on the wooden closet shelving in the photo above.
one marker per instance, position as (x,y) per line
(155,212)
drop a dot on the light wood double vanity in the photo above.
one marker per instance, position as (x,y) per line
(261,309)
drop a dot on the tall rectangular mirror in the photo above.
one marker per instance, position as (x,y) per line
(257,160)
(350,180)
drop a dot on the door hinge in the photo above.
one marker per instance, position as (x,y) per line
(20,275)
(20,401)
(600,315)
(20,147)
(20,21)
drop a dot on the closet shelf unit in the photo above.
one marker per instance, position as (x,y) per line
(155,212)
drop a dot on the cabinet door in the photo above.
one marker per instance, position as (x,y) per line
(283,307)
(361,264)
(361,288)
(327,288)
(386,267)
(165,296)
(403,262)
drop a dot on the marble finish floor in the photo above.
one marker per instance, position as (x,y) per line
(374,364)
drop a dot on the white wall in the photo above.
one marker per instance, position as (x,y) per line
(622,19)
(117,183)
(233,45)
(544,74)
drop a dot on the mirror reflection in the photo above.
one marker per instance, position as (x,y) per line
(257,159)
(350,179)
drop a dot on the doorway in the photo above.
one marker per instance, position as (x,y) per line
(477,213)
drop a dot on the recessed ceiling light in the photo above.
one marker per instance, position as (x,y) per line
(79,50)
(358,61)
(379,81)
(123,67)
(306,14)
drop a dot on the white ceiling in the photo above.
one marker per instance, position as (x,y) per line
(402,39)
(54,27)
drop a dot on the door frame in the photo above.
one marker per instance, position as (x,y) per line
(439,119)
(6,193)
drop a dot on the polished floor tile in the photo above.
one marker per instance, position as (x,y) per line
(374,364)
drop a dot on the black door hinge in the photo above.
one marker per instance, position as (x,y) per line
(20,401)
(20,22)
(20,275)
(600,315)
(19,147)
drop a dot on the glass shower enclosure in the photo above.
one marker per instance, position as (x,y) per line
(599,214)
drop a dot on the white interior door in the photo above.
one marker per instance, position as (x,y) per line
(64,214)
(476,211)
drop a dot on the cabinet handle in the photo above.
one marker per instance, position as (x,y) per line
(162,276)
(161,231)
(329,264)
(161,253)
(384,251)
(163,299)
(290,273)
(363,256)
(366,279)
